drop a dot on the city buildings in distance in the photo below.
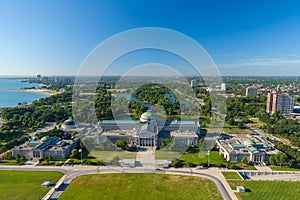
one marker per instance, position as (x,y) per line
(278,101)
(251,91)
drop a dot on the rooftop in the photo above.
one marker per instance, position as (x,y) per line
(69,122)
(119,122)
(46,138)
(245,144)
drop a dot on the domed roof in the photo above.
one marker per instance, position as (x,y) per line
(147,116)
(248,142)
(45,138)
(69,122)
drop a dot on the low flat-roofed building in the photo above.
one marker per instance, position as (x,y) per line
(47,146)
(254,148)
(118,124)
(114,135)
(180,125)
(185,138)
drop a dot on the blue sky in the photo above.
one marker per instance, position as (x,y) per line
(52,37)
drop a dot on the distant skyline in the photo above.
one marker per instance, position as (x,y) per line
(53,37)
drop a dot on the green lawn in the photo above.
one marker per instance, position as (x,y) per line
(278,168)
(25,184)
(267,190)
(229,129)
(166,155)
(107,156)
(215,160)
(140,187)
(256,122)
(231,175)
(8,162)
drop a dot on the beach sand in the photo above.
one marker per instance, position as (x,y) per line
(42,91)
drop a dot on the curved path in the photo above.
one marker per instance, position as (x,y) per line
(73,172)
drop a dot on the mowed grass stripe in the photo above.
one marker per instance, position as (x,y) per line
(231,175)
(140,187)
(25,185)
(267,190)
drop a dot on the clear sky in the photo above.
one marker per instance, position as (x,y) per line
(53,37)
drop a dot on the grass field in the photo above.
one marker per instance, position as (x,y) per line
(231,175)
(107,156)
(229,129)
(25,184)
(140,187)
(267,190)
(8,162)
(167,155)
(256,122)
(215,159)
(278,168)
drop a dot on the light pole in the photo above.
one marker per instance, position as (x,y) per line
(208,151)
(80,155)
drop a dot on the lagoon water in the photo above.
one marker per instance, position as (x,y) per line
(11,96)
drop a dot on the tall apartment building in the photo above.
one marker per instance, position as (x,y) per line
(278,101)
(193,83)
(223,87)
(39,77)
(251,92)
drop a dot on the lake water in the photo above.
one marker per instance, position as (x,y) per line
(167,95)
(11,96)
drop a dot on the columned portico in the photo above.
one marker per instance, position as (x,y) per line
(146,142)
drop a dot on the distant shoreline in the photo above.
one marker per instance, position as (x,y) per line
(41,91)
(35,90)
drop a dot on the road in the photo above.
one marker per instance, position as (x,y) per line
(73,172)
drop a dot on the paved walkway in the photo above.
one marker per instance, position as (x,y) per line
(273,175)
(145,159)
(263,168)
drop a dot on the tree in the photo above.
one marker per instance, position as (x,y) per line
(200,143)
(240,125)
(272,160)
(74,133)
(74,153)
(177,163)
(281,158)
(122,144)
(244,160)
(166,142)
(18,160)
(115,161)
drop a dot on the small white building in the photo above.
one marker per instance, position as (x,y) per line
(240,188)
(46,184)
